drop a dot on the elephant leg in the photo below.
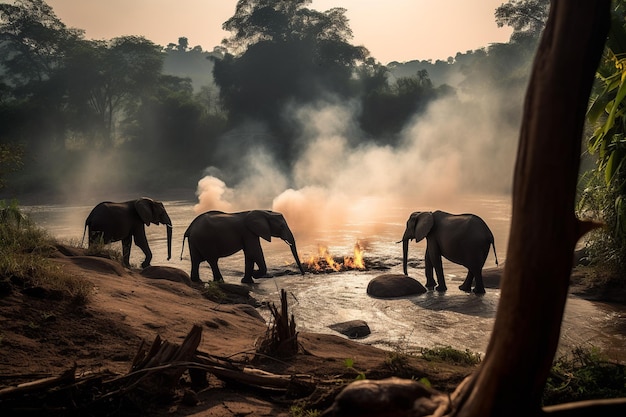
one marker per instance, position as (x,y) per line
(441,280)
(480,287)
(126,243)
(142,242)
(249,270)
(430,282)
(467,284)
(217,275)
(195,268)
(262,271)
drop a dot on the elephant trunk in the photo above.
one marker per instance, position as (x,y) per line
(405,254)
(295,256)
(169,241)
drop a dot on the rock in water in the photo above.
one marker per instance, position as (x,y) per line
(354,329)
(394,285)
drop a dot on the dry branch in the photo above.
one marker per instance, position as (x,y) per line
(154,373)
(281,338)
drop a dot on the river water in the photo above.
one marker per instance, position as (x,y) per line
(463,321)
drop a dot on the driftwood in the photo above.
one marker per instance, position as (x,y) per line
(154,374)
(281,339)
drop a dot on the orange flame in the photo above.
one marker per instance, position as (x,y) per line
(357,261)
(325,262)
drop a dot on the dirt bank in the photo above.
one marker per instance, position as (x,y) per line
(43,334)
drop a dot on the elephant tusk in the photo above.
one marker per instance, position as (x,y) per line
(287,242)
(169,225)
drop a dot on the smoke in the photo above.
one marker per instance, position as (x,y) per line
(261,183)
(459,146)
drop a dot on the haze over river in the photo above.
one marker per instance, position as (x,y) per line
(463,321)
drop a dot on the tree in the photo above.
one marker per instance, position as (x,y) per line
(10,160)
(105,78)
(33,41)
(283,53)
(526,17)
(544,231)
(604,194)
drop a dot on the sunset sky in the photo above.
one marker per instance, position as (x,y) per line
(392,30)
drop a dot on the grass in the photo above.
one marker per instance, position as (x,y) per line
(299,411)
(584,374)
(103,250)
(450,355)
(25,260)
(213,292)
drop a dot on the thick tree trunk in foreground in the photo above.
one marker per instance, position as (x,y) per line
(544,229)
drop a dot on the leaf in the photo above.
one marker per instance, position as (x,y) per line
(621,93)
(348,363)
(424,381)
(597,108)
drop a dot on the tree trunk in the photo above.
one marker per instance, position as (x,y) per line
(544,229)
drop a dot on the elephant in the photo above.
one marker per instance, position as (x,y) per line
(109,222)
(464,239)
(215,234)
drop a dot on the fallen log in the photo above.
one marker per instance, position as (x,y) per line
(154,373)
(40,384)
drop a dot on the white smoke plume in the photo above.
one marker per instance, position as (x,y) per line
(457,146)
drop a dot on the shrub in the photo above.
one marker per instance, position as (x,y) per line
(24,257)
(450,355)
(585,374)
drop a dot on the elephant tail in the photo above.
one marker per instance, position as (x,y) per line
(82,242)
(183,248)
(494,251)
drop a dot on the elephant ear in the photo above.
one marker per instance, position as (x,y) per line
(144,209)
(423,225)
(256,221)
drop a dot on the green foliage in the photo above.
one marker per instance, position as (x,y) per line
(526,17)
(604,190)
(349,363)
(213,292)
(24,257)
(10,160)
(585,374)
(104,250)
(397,362)
(300,411)
(282,53)
(450,355)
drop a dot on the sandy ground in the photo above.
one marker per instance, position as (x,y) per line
(42,335)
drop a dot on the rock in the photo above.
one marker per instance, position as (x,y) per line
(386,397)
(492,276)
(354,329)
(168,273)
(102,265)
(394,285)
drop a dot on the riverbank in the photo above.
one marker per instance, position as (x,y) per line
(44,334)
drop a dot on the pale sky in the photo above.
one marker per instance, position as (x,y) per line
(392,30)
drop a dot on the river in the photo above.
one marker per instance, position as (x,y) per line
(463,321)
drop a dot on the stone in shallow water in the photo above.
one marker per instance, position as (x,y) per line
(354,329)
(394,285)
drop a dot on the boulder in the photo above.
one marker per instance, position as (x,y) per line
(168,273)
(394,285)
(354,329)
(493,276)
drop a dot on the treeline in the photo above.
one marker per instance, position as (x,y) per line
(64,98)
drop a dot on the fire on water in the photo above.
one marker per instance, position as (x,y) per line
(324,262)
